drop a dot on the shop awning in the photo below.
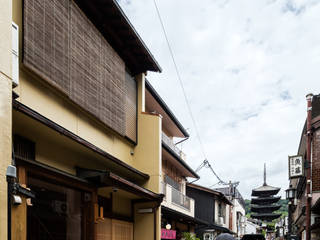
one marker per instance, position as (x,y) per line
(105,178)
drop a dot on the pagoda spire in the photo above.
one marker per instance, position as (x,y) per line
(265,176)
(264,202)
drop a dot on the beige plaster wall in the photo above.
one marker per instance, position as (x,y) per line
(144,223)
(147,154)
(5,107)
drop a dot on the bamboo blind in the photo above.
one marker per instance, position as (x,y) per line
(131,107)
(65,49)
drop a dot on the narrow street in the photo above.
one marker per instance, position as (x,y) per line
(151,120)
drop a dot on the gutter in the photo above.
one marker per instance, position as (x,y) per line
(165,107)
(178,158)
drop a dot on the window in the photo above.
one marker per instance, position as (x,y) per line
(172,183)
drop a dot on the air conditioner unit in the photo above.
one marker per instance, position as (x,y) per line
(60,207)
(15,54)
(208,236)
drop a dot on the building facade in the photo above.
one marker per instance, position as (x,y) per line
(74,125)
(177,209)
(212,207)
(237,209)
(298,205)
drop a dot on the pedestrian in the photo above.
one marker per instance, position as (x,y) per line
(225,236)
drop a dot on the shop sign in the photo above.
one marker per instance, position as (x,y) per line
(295,166)
(168,234)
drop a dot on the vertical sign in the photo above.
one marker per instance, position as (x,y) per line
(296,167)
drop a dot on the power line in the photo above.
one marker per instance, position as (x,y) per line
(205,163)
(180,81)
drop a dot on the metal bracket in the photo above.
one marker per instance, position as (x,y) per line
(23,191)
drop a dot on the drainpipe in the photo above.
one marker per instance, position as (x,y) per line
(155,223)
(11,176)
(308,165)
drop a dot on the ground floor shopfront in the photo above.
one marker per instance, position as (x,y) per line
(78,193)
(66,207)
(174,224)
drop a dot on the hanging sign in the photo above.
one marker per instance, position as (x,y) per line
(168,234)
(296,167)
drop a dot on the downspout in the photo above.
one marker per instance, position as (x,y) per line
(11,176)
(308,165)
(155,223)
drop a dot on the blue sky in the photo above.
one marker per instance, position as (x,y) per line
(246,66)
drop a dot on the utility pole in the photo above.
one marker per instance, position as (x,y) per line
(308,166)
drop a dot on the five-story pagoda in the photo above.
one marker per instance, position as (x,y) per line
(264,201)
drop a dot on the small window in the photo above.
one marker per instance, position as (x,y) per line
(23,148)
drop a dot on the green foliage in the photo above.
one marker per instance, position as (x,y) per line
(189,236)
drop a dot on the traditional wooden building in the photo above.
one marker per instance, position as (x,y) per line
(87,154)
(212,207)
(177,209)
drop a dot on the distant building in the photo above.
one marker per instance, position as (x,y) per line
(252,226)
(237,209)
(212,207)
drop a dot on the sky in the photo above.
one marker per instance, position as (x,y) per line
(246,67)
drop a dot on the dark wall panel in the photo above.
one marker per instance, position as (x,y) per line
(204,207)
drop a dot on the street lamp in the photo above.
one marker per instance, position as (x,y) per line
(290,193)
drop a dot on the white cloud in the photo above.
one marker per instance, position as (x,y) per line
(246,66)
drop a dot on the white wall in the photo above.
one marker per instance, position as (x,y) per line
(237,207)
(250,228)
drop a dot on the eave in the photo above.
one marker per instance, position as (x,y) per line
(264,208)
(218,194)
(266,216)
(111,21)
(181,162)
(265,200)
(166,110)
(124,168)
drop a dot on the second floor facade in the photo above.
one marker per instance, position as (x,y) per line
(174,169)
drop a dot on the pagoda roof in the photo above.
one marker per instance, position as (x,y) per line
(265,200)
(265,190)
(265,216)
(265,208)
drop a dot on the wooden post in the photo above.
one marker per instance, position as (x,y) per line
(19,212)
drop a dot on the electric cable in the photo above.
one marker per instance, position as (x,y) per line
(205,163)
